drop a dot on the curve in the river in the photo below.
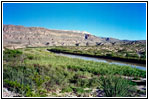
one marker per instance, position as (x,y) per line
(139,66)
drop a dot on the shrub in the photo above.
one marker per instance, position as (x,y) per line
(114,86)
(78,90)
(9,55)
(67,89)
(18,88)
(94,82)
(109,55)
(24,80)
(30,57)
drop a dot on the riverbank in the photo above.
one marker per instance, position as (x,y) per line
(55,50)
(109,61)
(34,72)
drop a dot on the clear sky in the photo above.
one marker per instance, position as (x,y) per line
(117,20)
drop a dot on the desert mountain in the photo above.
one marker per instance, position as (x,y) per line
(20,36)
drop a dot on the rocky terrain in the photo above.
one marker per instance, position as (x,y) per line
(7,93)
(20,36)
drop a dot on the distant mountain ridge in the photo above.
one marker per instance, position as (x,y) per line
(20,36)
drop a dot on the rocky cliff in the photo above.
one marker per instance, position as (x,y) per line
(20,36)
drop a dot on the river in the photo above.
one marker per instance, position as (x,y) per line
(139,66)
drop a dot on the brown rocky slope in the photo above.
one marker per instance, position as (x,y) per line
(15,36)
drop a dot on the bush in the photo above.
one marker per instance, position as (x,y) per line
(110,55)
(94,82)
(114,86)
(27,81)
(78,90)
(67,89)
(9,55)
(18,88)
(30,57)
(129,55)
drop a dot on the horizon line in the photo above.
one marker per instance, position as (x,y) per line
(72,30)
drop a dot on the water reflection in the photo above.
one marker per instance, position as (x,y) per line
(139,66)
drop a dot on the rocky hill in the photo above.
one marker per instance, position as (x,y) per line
(20,36)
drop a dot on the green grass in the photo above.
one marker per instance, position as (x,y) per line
(35,72)
(115,86)
(114,52)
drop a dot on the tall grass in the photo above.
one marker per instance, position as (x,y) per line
(116,86)
(37,72)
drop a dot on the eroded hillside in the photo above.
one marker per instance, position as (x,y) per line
(20,36)
(35,36)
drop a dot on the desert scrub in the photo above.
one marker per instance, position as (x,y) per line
(10,55)
(24,80)
(67,89)
(37,72)
(111,52)
(103,68)
(116,86)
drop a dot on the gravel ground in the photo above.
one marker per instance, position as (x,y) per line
(97,92)
(7,93)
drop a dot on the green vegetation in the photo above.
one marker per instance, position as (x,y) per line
(35,72)
(115,86)
(127,52)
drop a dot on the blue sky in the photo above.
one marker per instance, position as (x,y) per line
(117,20)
